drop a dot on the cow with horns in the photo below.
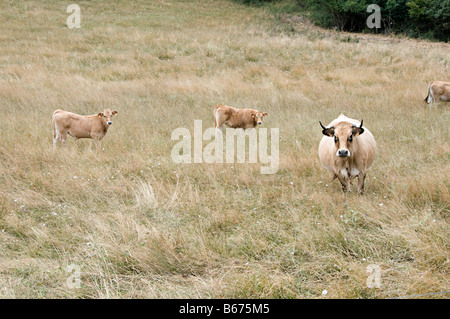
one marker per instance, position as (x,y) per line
(347,150)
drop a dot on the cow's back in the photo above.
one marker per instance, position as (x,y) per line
(440,88)
(66,119)
(367,146)
(326,153)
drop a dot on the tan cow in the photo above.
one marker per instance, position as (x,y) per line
(237,118)
(438,91)
(347,150)
(79,126)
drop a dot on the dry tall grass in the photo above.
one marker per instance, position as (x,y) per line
(140,226)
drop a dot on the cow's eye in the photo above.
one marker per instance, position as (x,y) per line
(350,138)
(336,139)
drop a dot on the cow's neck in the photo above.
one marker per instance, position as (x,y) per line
(104,126)
(345,162)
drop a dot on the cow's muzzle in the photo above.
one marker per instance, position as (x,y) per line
(343,153)
(109,122)
(259,123)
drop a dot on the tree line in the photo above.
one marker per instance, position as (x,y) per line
(428,19)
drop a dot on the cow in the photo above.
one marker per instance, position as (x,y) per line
(438,90)
(80,126)
(347,150)
(236,118)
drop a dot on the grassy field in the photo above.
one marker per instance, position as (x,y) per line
(137,225)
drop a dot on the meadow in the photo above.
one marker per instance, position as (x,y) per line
(134,224)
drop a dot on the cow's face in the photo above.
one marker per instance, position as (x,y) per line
(343,135)
(107,116)
(258,117)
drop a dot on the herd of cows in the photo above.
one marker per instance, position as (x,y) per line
(347,148)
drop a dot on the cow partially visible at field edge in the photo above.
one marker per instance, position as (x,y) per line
(80,126)
(438,91)
(347,150)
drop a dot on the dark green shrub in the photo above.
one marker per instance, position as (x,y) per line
(418,18)
(430,16)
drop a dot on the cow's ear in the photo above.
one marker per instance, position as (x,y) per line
(265,114)
(358,130)
(115,113)
(327,131)
(100,114)
(253,115)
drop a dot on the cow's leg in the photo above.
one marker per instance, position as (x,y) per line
(345,185)
(96,137)
(56,137)
(434,99)
(96,142)
(63,138)
(344,182)
(334,177)
(219,128)
(361,178)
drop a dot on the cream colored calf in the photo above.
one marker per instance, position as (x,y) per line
(237,118)
(79,126)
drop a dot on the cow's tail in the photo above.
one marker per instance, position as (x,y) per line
(214,112)
(429,97)
(216,107)
(54,125)
(55,132)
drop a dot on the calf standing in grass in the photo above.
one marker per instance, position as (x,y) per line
(237,118)
(347,150)
(79,126)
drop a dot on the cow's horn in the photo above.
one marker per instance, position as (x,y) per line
(322,125)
